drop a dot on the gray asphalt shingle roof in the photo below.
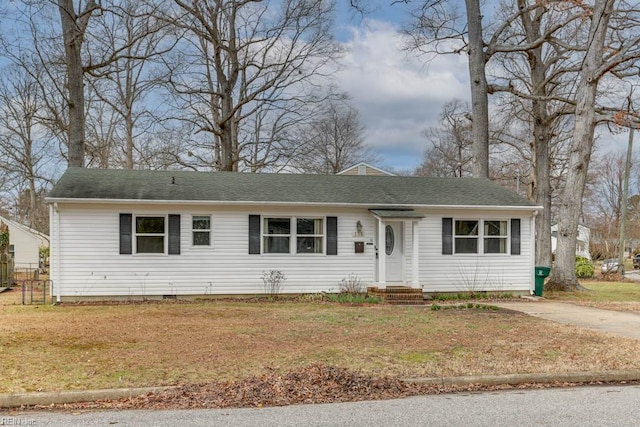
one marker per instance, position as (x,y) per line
(79,183)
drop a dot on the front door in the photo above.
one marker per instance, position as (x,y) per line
(393,251)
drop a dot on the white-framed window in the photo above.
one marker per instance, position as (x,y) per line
(278,234)
(150,234)
(496,236)
(466,236)
(309,235)
(201,230)
(493,233)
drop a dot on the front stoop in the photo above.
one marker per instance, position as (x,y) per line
(398,295)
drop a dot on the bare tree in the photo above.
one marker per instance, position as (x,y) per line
(333,141)
(438,27)
(538,71)
(603,203)
(124,87)
(74,25)
(27,162)
(602,56)
(449,151)
(251,63)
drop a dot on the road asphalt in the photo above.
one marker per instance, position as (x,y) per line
(624,324)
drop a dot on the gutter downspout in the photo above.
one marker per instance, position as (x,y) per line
(56,249)
(532,256)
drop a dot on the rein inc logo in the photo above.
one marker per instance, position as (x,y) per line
(17,421)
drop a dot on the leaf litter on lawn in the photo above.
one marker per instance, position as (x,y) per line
(317,383)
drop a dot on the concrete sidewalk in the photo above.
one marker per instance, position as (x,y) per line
(625,324)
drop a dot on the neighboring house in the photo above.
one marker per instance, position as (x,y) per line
(364,169)
(167,233)
(25,244)
(582,244)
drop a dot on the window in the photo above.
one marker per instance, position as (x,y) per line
(201,225)
(150,234)
(495,237)
(276,235)
(309,235)
(466,237)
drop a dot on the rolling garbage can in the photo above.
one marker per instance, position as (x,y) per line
(541,273)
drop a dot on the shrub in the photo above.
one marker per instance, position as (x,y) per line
(584,268)
(273,281)
(352,285)
(4,238)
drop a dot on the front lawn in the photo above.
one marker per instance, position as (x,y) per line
(83,347)
(620,296)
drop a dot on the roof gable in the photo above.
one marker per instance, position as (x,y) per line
(235,187)
(15,226)
(369,170)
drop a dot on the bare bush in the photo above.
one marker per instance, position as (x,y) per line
(273,281)
(352,285)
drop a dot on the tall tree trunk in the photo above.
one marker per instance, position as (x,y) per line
(542,193)
(563,276)
(73,28)
(479,91)
(542,134)
(129,136)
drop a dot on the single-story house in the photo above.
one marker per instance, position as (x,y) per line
(172,233)
(582,243)
(25,244)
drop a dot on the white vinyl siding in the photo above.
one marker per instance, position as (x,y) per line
(26,245)
(471,272)
(90,263)
(86,260)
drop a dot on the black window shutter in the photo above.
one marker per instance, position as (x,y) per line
(125,234)
(174,234)
(332,235)
(515,236)
(447,236)
(254,234)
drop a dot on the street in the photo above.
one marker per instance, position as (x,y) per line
(580,406)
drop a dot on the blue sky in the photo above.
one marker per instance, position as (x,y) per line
(397,94)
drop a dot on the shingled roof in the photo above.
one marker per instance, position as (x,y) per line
(234,187)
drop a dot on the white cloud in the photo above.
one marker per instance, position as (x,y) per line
(398,94)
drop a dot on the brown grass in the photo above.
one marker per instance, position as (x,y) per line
(607,295)
(82,347)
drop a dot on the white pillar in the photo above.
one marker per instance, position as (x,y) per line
(382,255)
(415,255)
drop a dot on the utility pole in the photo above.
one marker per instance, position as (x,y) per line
(625,196)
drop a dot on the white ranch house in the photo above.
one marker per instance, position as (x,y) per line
(124,233)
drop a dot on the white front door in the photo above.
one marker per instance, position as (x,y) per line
(393,251)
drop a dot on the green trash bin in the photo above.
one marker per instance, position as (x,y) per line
(542,272)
